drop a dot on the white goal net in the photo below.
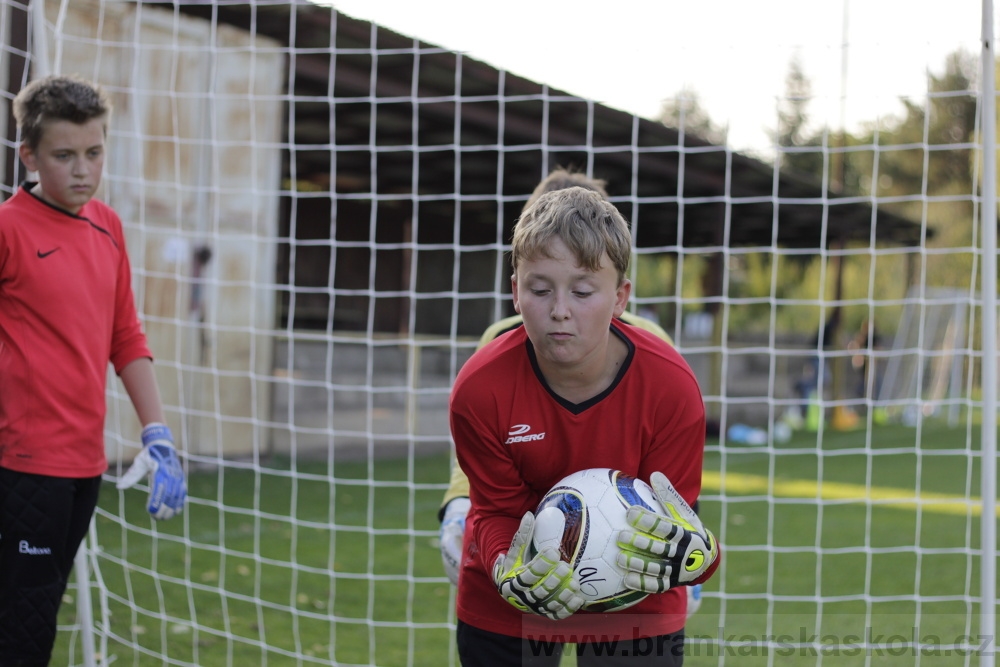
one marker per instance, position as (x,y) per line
(317,209)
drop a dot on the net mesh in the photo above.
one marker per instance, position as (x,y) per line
(317,210)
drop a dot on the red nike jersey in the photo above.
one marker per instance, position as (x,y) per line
(66,311)
(515,439)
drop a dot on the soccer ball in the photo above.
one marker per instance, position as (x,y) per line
(581,516)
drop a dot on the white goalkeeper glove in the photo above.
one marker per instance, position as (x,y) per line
(694,599)
(660,551)
(451,534)
(543,585)
(158,460)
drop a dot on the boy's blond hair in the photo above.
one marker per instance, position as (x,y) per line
(55,97)
(586,222)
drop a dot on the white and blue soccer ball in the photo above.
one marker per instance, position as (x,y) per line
(581,516)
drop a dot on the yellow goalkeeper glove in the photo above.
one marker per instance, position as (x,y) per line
(541,585)
(660,551)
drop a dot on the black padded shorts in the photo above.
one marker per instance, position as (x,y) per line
(43,520)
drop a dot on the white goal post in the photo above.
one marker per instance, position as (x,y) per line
(318,210)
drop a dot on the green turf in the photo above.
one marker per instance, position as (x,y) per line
(868,563)
(340,564)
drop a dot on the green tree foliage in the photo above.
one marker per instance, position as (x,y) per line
(928,149)
(800,153)
(919,164)
(685,113)
(923,166)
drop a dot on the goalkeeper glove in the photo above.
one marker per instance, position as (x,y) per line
(694,599)
(158,459)
(451,534)
(661,551)
(543,585)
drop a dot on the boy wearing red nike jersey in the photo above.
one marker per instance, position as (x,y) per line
(66,312)
(592,392)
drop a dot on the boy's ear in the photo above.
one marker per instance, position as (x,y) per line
(27,156)
(622,295)
(513,293)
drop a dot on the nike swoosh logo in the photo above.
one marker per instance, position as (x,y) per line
(43,255)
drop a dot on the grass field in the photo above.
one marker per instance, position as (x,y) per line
(340,563)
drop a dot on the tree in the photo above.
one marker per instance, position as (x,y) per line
(944,122)
(927,162)
(920,165)
(685,113)
(798,152)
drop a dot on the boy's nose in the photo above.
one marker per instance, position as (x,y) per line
(559,309)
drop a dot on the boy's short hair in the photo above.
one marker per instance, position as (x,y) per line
(58,97)
(560,179)
(587,223)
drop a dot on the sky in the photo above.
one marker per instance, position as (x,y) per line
(633,54)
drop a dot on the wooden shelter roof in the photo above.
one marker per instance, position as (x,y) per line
(448,126)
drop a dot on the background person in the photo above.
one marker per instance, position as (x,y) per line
(865,341)
(66,311)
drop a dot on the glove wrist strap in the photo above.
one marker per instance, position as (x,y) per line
(155,431)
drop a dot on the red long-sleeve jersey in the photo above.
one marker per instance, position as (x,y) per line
(66,311)
(515,439)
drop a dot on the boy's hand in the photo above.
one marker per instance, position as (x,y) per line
(543,585)
(451,535)
(158,459)
(661,551)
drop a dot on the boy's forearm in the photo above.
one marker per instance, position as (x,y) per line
(140,384)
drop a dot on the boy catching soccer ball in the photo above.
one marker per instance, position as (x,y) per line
(591,392)
(66,311)
(455,503)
